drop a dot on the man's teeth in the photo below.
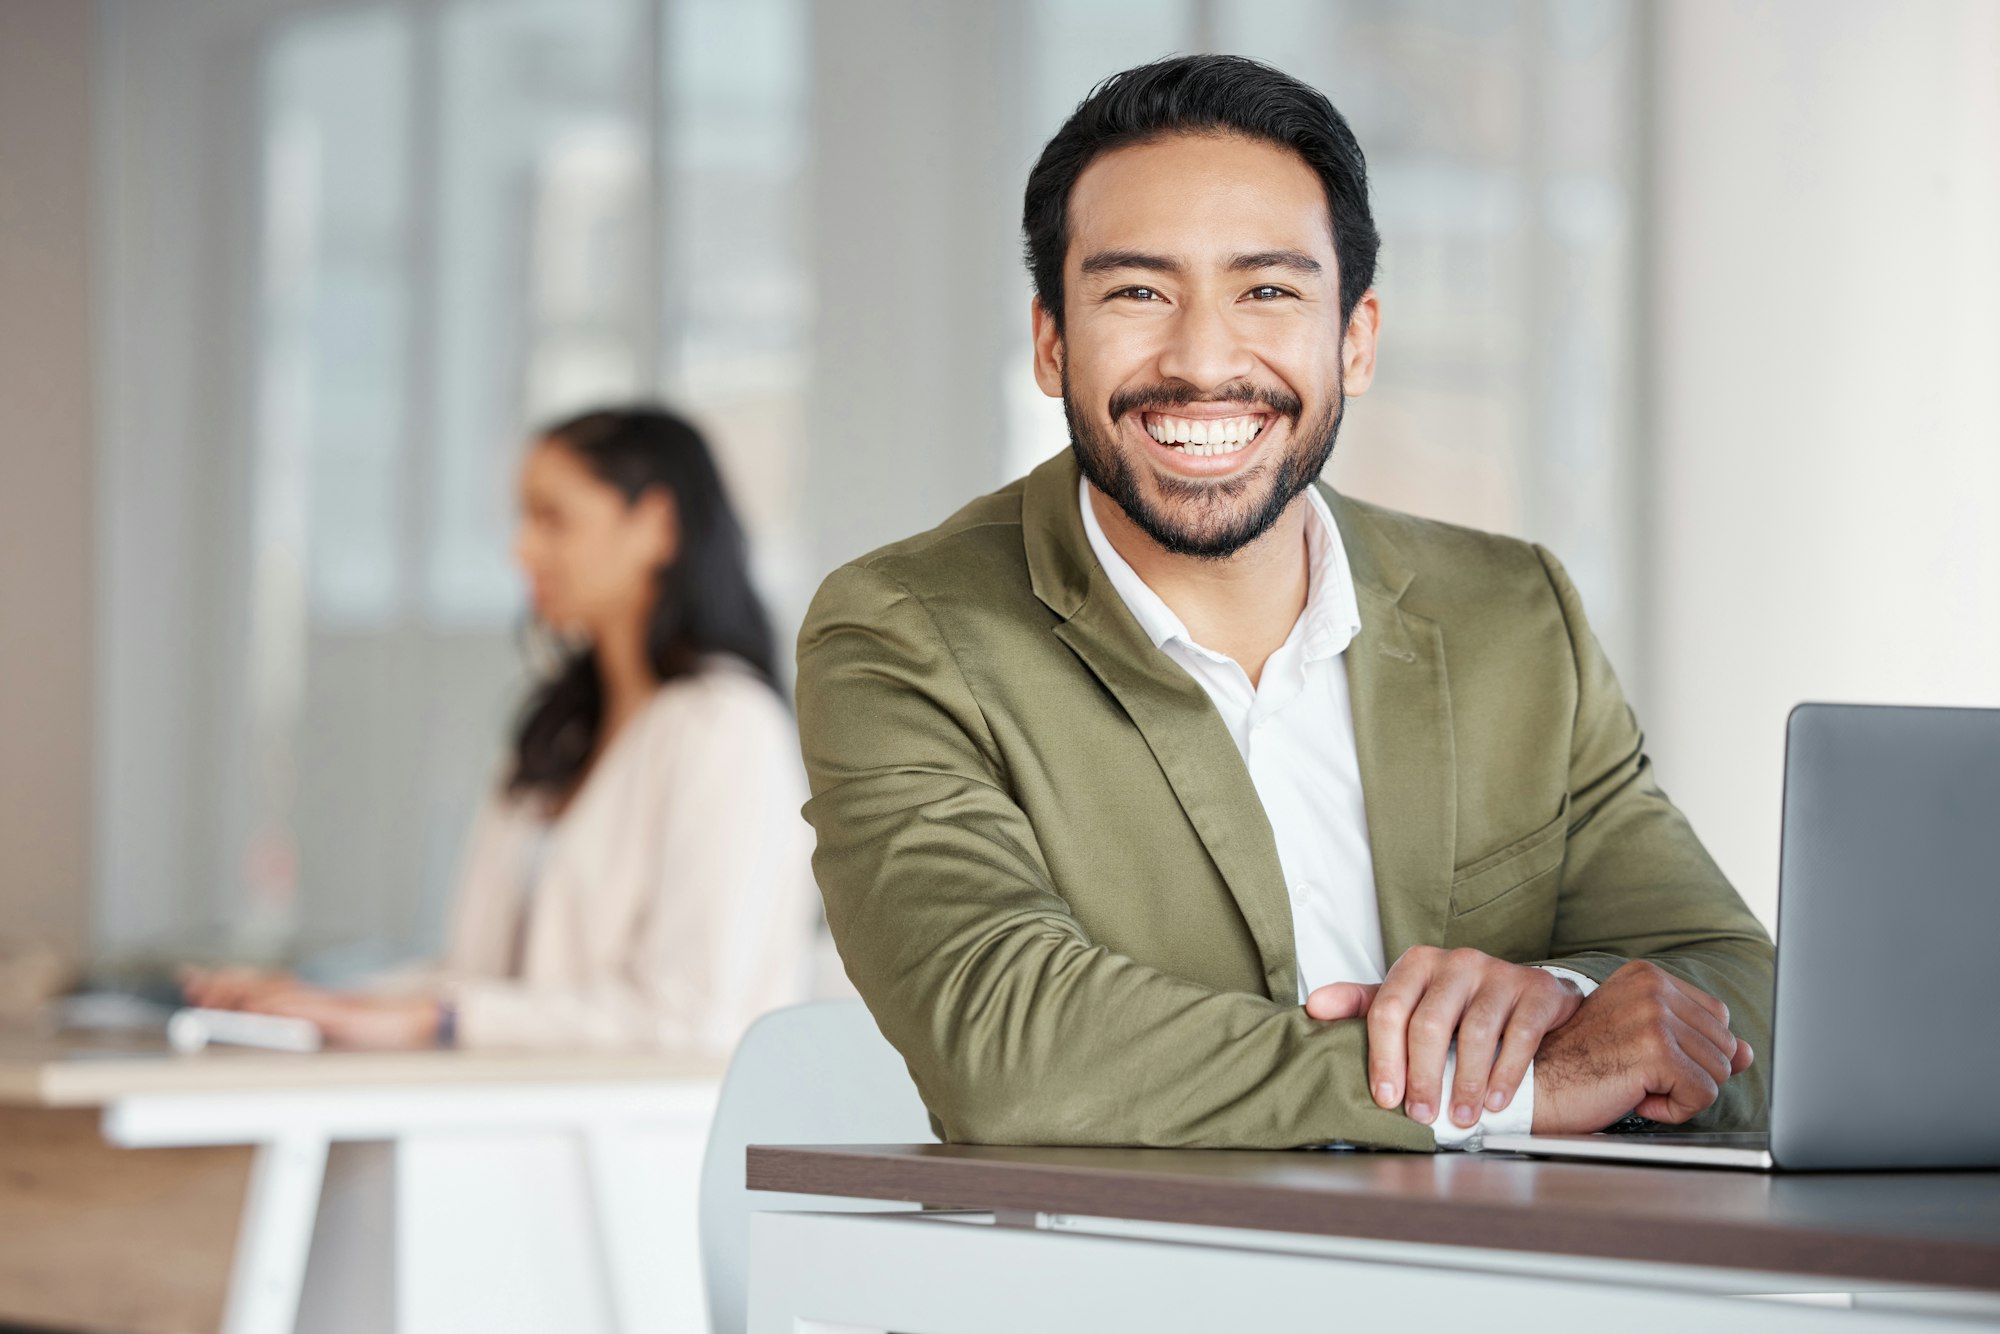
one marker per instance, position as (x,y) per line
(1204,436)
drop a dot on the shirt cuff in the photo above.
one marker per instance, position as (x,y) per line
(1584,984)
(1516,1118)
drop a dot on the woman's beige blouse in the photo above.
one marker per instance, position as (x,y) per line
(673,902)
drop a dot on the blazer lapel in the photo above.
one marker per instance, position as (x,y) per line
(1402,731)
(1174,715)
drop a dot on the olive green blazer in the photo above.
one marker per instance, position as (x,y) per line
(1051,879)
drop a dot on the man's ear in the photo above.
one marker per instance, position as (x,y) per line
(1048,348)
(1357,349)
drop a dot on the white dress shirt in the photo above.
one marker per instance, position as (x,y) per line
(1295,730)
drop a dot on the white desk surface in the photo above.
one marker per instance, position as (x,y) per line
(38,1069)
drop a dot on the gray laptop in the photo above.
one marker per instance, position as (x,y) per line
(1884,1054)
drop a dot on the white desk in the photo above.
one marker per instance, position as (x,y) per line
(1064,1241)
(428,1191)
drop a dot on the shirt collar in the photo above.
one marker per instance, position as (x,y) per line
(1329,623)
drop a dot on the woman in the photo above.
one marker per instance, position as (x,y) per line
(642,877)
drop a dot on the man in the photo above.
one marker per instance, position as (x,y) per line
(1168,797)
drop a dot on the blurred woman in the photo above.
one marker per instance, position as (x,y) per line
(641,877)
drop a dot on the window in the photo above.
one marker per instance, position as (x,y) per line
(459,219)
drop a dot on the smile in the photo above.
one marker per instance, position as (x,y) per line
(1201,436)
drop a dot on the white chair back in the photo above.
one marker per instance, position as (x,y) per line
(820,1073)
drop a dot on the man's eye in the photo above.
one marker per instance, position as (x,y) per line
(1138,293)
(1268,293)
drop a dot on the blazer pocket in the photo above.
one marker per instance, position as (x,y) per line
(1513,866)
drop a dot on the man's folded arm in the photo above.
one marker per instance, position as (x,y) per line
(1636,881)
(1015,1027)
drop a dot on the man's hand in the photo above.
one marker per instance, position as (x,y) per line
(1644,1042)
(1432,996)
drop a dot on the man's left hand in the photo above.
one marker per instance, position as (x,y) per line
(1497,1012)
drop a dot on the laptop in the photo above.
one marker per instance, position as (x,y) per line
(1883,1051)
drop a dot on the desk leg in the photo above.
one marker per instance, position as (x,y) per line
(275,1235)
(609,1160)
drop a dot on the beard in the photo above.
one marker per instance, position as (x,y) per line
(1208,520)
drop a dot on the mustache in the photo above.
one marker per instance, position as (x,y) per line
(1283,402)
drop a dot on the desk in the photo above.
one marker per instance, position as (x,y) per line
(1091,1239)
(251,1191)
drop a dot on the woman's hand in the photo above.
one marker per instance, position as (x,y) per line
(375,1023)
(233,988)
(378,1023)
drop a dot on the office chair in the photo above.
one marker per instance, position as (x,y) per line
(812,1074)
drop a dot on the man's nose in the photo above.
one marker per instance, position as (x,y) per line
(1203,348)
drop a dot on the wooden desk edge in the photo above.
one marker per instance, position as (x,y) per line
(1537,1227)
(23,1084)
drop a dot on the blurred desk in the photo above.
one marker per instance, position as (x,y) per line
(251,1191)
(1088,1239)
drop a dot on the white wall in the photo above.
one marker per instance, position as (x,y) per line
(46,502)
(1826,471)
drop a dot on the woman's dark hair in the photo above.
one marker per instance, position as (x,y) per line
(704,602)
(1205,94)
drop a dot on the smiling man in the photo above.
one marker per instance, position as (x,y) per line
(1168,797)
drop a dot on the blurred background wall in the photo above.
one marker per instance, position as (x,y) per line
(1824,337)
(47,507)
(1698,292)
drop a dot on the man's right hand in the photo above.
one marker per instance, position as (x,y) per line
(1643,1042)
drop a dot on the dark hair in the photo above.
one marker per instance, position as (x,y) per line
(1205,94)
(704,602)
